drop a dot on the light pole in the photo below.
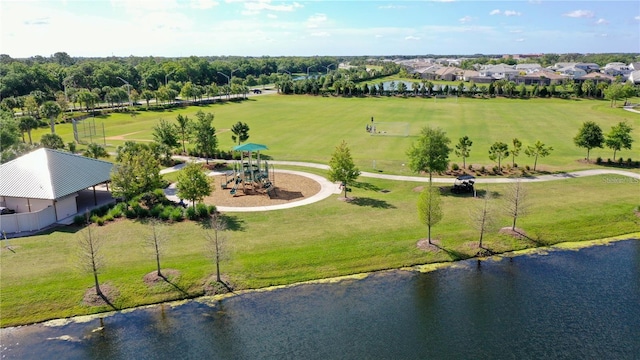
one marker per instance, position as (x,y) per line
(308,71)
(285,71)
(228,82)
(330,65)
(128,88)
(166,77)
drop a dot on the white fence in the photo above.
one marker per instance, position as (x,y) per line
(15,223)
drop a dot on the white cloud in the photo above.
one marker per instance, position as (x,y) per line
(411,37)
(515,31)
(203,4)
(391,7)
(316,20)
(637,18)
(602,22)
(254,6)
(465,19)
(138,6)
(495,12)
(272,16)
(320,34)
(511,13)
(378,36)
(579,14)
(520,40)
(604,35)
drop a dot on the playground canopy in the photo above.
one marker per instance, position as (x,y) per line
(250,147)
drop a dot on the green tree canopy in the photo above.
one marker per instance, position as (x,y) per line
(9,130)
(184,129)
(431,152)
(589,136)
(240,132)
(193,183)
(498,151)
(619,138)
(342,167)
(205,134)
(52,141)
(463,149)
(50,110)
(536,150)
(515,150)
(166,134)
(135,173)
(95,151)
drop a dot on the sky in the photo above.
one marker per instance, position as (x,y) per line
(180,28)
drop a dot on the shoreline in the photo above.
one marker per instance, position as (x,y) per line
(210,300)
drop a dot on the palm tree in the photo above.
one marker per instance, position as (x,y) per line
(95,151)
(51,109)
(28,123)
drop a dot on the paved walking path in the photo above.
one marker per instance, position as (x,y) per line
(328,188)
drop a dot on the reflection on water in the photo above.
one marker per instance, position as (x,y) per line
(568,304)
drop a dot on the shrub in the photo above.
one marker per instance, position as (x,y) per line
(483,169)
(496,170)
(527,168)
(165,214)
(629,162)
(191,213)
(620,161)
(212,209)
(609,162)
(141,212)
(100,221)
(156,210)
(455,167)
(599,160)
(115,212)
(202,210)
(515,165)
(130,213)
(78,220)
(153,198)
(177,214)
(94,218)
(470,167)
(108,217)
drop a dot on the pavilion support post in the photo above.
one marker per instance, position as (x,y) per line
(95,196)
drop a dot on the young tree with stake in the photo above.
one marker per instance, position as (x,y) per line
(430,208)
(342,167)
(90,257)
(463,148)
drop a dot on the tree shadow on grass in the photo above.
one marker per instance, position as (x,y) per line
(186,294)
(374,203)
(364,186)
(455,255)
(233,223)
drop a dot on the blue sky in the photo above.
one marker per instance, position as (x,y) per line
(306,28)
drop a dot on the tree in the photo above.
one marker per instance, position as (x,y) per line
(164,133)
(216,238)
(155,241)
(50,110)
(483,217)
(205,135)
(463,148)
(240,132)
(95,151)
(193,183)
(614,92)
(184,128)
(28,123)
(90,256)
(589,136)
(498,151)
(147,95)
(430,208)
(431,152)
(342,167)
(515,201)
(515,150)
(619,138)
(538,150)
(9,130)
(135,172)
(52,141)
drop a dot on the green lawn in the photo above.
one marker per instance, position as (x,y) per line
(308,128)
(40,279)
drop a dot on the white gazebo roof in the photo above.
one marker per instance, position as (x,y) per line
(51,174)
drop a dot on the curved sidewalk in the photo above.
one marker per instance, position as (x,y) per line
(328,188)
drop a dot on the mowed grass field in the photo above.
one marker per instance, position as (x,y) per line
(307,128)
(41,279)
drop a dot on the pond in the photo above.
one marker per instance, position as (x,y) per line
(562,304)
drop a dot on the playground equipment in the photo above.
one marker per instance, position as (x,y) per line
(249,176)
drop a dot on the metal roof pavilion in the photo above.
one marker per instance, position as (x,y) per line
(250,147)
(51,174)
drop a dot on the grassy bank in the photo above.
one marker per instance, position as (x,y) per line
(40,279)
